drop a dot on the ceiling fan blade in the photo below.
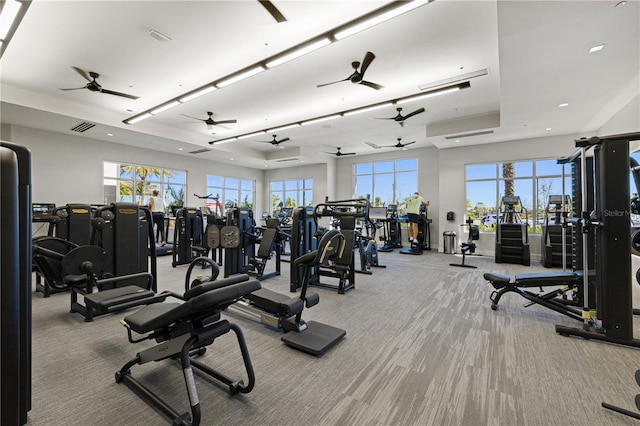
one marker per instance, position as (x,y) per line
(215,123)
(366,62)
(348,153)
(372,85)
(82,73)
(282,140)
(408,143)
(195,118)
(75,88)
(333,82)
(416,112)
(124,95)
(277,15)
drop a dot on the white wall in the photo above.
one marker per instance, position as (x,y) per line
(627,120)
(69,169)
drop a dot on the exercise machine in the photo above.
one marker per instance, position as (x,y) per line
(270,246)
(284,313)
(392,230)
(121,263)
(183,331)
(15,283)
(240,227)
(305,234)
(512,234)
(423,240)
(609,317)
(469,246)
(556,247)
(188,236)
(366,241)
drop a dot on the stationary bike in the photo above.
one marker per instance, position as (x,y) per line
(469,246)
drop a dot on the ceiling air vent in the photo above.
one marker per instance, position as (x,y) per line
(199,151)
(83,127)
(466,135)
(287,159)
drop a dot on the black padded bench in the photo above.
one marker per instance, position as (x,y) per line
(562,281)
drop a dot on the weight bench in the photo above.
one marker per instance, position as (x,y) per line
(183,330)
(565,280)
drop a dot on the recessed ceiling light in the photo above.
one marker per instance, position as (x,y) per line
(457,140)
(563,105)
(109,134)
(180,149)
(231,159)
(548,128)
(596,48)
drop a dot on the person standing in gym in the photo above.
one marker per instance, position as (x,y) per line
(413,211)
(156,205)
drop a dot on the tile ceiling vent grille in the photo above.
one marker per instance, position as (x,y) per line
(83,127)
(199,151)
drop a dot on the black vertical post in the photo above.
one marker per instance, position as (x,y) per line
(613,258)
(15,285)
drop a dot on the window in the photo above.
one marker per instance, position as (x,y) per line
(533,181)
(386,182)
(134,183)
(291,193)
(231,192)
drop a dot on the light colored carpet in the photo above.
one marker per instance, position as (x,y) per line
(423,347)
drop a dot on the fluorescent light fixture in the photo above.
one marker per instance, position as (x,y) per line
(246,74)
(197,93)
(318,120)
(134,120)
(225,140)
(429,95)
(164,107)
(378,19)
(596,48)
(250,135)
(299,52)
(563,105)
(288,126)
(8,16)
(365,109)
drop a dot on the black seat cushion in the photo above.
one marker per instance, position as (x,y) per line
(203,305)
(542,279)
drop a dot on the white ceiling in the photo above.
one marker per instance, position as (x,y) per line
(534,55)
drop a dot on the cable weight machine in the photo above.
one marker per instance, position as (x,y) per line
(612,320)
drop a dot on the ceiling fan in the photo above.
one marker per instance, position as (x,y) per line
(357,77)
(340,153)
(210,121)
(94,86)
(400,145)
(277,15)
(401,118)
(276,142)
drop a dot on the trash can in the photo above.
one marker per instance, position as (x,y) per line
(449,238)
